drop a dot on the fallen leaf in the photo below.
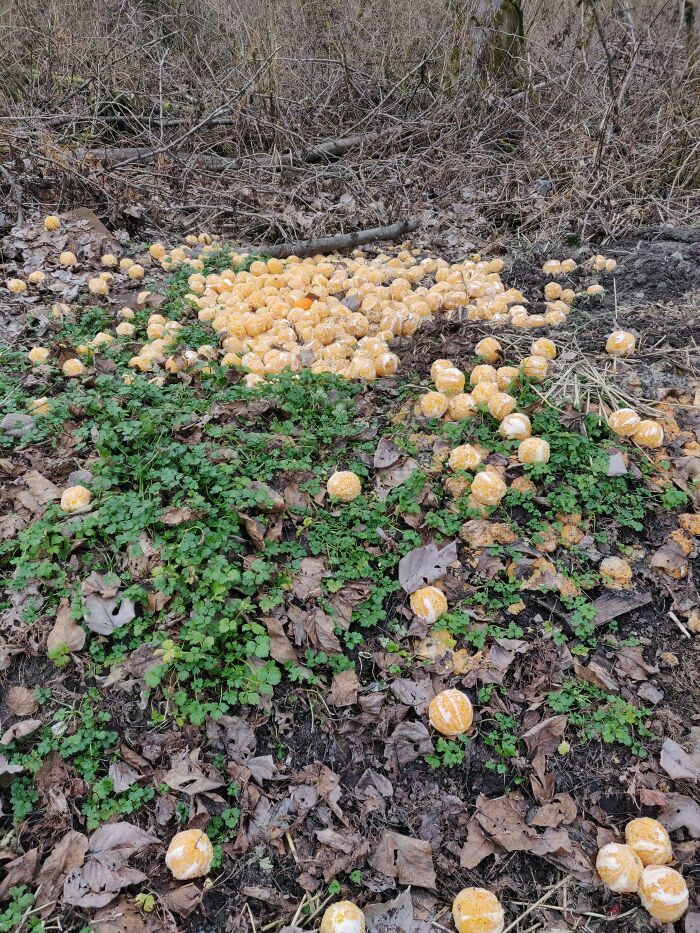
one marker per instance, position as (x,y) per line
(105,615)
(178,516)
(19,871)
(123,837)
(424,565)
(677,763)
(417,694)
(671,560)
(66,632)
(393,476)
(190,781)
(616,463)
(281,648)
(68,854)
(681,812)
(395,916)
(407,859)
(410,740)
(21,701)
(561,810)
(17,425)
(611,605)
(631,662)
(8,772)
(183,900)
(344,688)
(386,454)
(543,740)
(477,847)
(122,776)
(254,528)
(20,730)
(308,580)
(43,490)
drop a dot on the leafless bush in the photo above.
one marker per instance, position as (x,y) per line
(580,118)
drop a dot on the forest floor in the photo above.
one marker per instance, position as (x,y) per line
(214,643)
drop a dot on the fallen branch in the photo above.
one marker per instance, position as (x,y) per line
(316,153)
(332,244)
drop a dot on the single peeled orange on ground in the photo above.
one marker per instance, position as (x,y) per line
(189,854)
(488,488)
(621,343)
(52,222)
(39,406)
(461,406)
(664,893)
(433,404)
(500,404)
(343,917)
(624,421)
(429,603)
(344,485)
(451,712)
(476,910)
(38,355)
(533,450)
(490,349)
(464,457)
(438,365)
(649,434)
(483,373)
(506,376)
(649,840)
(544,347)
(619,867)
(72,368)
(74,498)
(482,391)
(449,380)
(616,573)
(515,427)
(534,367)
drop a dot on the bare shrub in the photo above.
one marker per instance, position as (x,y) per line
(576,118)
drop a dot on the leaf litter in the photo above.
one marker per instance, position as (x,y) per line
(332,778)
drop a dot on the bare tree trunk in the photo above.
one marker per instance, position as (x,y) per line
(499,39)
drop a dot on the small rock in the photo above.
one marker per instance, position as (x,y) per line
(80,478)
(666,659)
(16,424)
(650,694)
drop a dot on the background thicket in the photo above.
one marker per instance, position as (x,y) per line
(484,116)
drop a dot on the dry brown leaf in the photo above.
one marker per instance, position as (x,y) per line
(43,490)
(68,854)
(20,730)
(105,615)
(677,763)
(561,810)
(424,565)
(21,701)
(183,900)
(178,515)
(680,812)
(281,648)
(308,581)
(386,454)
(410,740)
(408,860)
(344,688)
(19,871)
(66,632)
(8,772)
